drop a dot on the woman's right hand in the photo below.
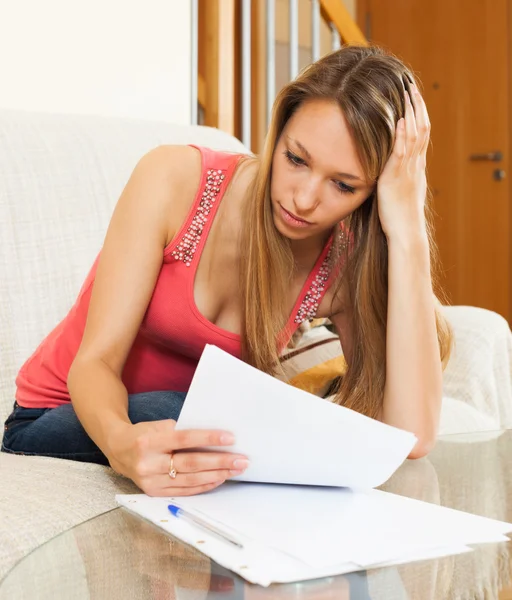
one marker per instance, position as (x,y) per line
(143,451)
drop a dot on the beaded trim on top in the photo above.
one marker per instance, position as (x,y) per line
(311,302)
(309,305)
(187,247)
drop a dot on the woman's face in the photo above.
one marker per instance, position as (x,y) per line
(317,179)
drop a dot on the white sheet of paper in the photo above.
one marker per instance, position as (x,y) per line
(255,563)
(327,526)
(290,436)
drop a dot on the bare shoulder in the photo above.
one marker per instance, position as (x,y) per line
(177,163)
(172,174)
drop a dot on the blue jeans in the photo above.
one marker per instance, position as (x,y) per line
(57,431)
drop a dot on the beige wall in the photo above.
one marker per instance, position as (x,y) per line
(107,57)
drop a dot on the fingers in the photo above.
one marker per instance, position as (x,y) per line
(206,469)
(421,120)
(186,483)
(153,475)
(194,462)
(201,438)
(173,491)
(165,438)
(411,133)
(398,155)
(194,479)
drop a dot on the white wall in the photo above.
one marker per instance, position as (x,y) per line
(109,57)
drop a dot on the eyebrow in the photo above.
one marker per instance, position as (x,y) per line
(308,155)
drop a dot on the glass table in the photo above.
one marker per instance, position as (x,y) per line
(119,556)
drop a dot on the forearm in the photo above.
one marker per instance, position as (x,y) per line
(100,400)
(413,389)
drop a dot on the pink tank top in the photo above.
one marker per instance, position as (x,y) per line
(173,333)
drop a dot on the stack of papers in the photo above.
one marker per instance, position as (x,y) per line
(327,519)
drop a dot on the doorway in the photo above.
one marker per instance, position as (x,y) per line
(460,51)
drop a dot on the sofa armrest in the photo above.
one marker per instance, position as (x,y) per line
(479,372)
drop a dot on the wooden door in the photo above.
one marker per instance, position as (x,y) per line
(460,51)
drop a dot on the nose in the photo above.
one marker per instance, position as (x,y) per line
(306,197)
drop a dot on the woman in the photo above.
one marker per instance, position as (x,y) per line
(212,247)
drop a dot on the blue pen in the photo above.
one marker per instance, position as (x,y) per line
(186,516)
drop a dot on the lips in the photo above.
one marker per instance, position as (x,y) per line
(296,217)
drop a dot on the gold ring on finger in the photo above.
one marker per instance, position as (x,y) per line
(172,469)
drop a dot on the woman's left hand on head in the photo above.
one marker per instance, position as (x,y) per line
(402,186)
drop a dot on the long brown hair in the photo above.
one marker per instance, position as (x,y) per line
(367,84)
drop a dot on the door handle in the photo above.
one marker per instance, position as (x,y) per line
(493,156)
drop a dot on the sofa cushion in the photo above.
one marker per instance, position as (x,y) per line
(477,382)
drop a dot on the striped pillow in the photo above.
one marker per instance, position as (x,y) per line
(313,359)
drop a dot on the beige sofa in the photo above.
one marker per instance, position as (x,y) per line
(59,179)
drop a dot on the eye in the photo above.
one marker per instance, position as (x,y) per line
(294,159)
(343,187)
